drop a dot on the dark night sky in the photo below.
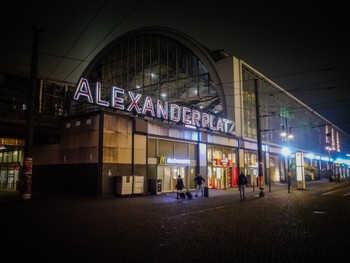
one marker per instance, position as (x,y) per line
(301,46)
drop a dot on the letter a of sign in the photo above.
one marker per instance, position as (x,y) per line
(83,90)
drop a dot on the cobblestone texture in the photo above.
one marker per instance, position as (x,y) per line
(301,226)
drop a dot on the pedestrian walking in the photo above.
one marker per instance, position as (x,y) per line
(199,180)
(241,182)
(338,177)
(179,187)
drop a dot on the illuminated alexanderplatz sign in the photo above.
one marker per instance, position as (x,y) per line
(159,109)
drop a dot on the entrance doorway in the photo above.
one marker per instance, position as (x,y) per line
(167,176)
(8,176)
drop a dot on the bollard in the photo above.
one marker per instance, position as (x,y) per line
(253,187)
(289,182)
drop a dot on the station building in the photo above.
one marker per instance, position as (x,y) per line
(155,104)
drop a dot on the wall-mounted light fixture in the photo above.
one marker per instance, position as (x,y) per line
(290,134)
(283,132)
(286,133)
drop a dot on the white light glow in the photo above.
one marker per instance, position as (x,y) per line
(310,156)
(341,160)
(177,161)
(285,151)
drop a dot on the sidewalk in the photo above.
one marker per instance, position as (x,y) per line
(8,196)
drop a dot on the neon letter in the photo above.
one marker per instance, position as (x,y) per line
(175,113)
(148,106)
(116,101)
(99,101)
(162,112)
(134,101)
(83,89)
(196,116)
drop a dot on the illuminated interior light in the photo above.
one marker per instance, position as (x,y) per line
(285,151)
(190,126)
(310,156)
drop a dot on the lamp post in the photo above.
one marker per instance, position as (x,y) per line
(26,175)
(259,142)
(287,135)
(286,153)
(329,148)
(329,170)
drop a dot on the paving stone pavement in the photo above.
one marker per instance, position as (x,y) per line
(300,226)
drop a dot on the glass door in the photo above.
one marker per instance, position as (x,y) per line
(167,176)
(167,179)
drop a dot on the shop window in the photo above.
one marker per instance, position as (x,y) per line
(181,150)
(8,157)
(193,151)
(152,148)
(15,156)
(166,148)
(250,159)
(210,155)
(217,156)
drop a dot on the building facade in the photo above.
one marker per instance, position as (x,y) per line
(156,104)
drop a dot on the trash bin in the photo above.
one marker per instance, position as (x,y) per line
(206,191)
(159,186)
(152,186)
(124,185)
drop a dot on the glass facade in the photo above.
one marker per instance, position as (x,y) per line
(222,167)
(279,112)
(183,162)
(52,99)
(158,67)
(161,68)
(10,161)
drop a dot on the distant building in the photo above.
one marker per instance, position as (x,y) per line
(157,104)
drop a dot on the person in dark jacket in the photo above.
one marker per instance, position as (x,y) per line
(199,180)
(241,182)
(179,186)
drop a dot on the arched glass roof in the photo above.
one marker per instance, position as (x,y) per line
(156,66)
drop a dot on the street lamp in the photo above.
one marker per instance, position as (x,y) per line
(286,153)
(286,132)
(287,135)
(290,135)
(259,142)
(26,174)
(328,148)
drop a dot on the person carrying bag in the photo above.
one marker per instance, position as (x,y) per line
(179,187)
